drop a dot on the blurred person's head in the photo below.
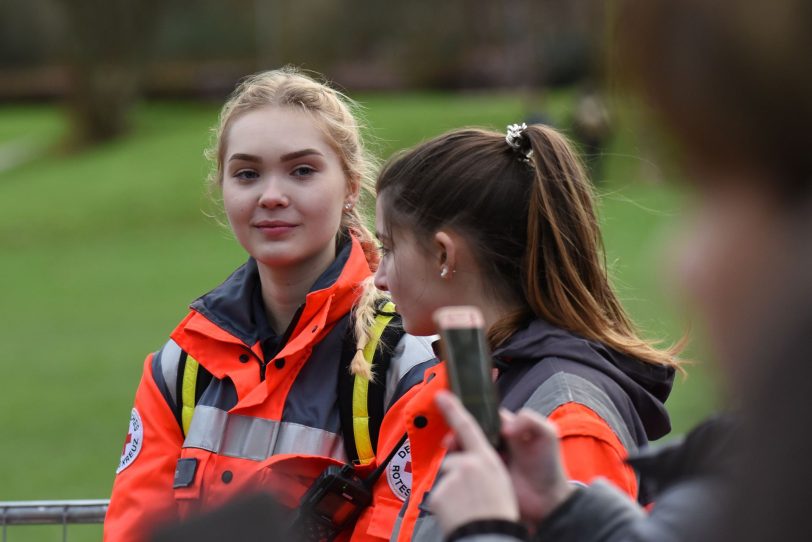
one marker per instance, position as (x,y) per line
(289,93)
(730,82)
(467,218)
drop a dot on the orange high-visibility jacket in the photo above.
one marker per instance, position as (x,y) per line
(604,405)
(262,421)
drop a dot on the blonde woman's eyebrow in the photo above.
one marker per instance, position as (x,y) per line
(299,154)
(245,157)
(284,158)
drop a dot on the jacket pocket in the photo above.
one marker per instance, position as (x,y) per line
(188,481)
(384,513)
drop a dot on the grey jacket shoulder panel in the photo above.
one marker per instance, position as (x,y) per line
(410,352)
(165,363)
(563,388)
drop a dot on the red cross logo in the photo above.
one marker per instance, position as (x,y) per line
(132,443)
(408,467)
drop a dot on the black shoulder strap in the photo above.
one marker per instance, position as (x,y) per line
(377,390)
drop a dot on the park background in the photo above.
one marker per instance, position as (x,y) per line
(107,234)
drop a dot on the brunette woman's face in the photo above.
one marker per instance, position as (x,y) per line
(284,188)
(411,274)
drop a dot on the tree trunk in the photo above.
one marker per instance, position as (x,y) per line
(106,44)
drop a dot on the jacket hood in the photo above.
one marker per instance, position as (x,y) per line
(647,385)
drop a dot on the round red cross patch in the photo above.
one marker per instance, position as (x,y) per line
(399,472)
(133,442)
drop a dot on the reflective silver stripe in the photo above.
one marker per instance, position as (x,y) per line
(207,428)
(426,529)
(563,388)
(170,358)
(296,438)
(398,522)
(257,439)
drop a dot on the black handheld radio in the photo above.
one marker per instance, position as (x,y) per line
(335,500)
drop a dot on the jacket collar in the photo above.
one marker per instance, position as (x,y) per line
(225,313)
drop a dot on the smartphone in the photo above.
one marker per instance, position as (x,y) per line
(470,367)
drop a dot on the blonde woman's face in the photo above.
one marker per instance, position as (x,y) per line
(284,189)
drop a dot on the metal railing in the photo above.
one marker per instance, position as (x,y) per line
(51,513)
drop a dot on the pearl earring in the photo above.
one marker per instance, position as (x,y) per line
(444,272)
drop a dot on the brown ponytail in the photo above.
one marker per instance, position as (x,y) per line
(566,280)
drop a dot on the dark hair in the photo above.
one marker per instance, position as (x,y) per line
(730,80)
(532,223)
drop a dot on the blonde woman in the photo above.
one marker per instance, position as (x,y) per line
(263,353)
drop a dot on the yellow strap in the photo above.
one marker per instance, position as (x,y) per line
(188,392)
(360,407)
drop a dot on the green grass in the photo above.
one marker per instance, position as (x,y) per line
(102,252)
(31,123)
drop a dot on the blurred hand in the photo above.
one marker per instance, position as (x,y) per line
(534,464)
(476,484)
